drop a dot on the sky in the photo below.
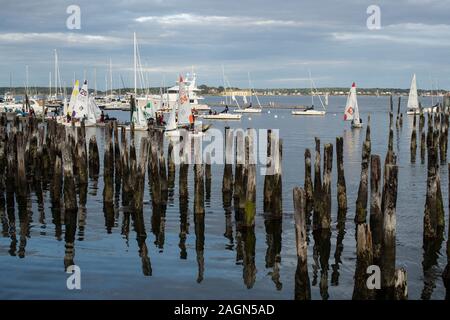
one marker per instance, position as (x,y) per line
(276,42)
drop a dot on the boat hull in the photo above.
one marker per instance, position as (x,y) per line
(248,110)
(220,116)
(357,125)
(308,113)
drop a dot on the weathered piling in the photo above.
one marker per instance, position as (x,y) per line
(183,197)
(11,172)
(302,283)
(94,158)
(376,215)
(108,167)
(434,208)
(239,177)
(361,201)
(277,204)
(421,118)
(208,176)
(443,137)
(308,186)
(413,145)
(389,232)
(199,191)
(317,186)
(70,204)
(325,218)
(446,273)
(250,203)
(273,178)
(170,168)
(364,259)
(162,168)
(227,182)
(422,147)
(139,176)
(341,186)
(398,123)
(82,160)
(117,157)
(268,179)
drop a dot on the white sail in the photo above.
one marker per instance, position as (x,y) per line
(413,101)
(244,98)
(73,98)
(351,108)
(82,101)
(172,122)
(184,106)
(93,110)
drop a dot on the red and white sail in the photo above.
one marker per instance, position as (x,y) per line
(351,111)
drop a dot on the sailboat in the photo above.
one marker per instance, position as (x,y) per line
(138,116)
(249,108)
(81,107)
(351,112)
(309,111)
(413,100)
(175,123)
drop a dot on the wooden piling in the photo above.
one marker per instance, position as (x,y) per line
(308,186)
(389,231)
(227,182)
(341,186)
(199,205)
(250,203)
(302,283)
(413,145)
(434,208)
(325,219)
(361,201)
(364,259)
(317,186)
(376,215)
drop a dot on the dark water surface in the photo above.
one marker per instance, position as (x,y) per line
(111,267)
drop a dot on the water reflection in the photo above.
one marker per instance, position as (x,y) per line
(273,252)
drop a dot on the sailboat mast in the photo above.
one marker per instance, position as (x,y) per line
(135,65)
(56,74)
(26,72)
(95,82)
(49,84)
(110,76)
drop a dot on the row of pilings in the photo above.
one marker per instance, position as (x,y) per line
(376,234)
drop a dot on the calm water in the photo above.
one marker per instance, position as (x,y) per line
(111,267)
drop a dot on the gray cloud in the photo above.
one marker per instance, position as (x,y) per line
(276,41)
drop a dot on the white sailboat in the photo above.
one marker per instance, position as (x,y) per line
(250,108)
(81,107)
(351,112)
(311,111)
(413,100)
(171,128)
(138,117)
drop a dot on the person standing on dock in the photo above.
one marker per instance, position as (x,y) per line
(191,120)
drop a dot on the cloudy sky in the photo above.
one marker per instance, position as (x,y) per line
(276,41)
